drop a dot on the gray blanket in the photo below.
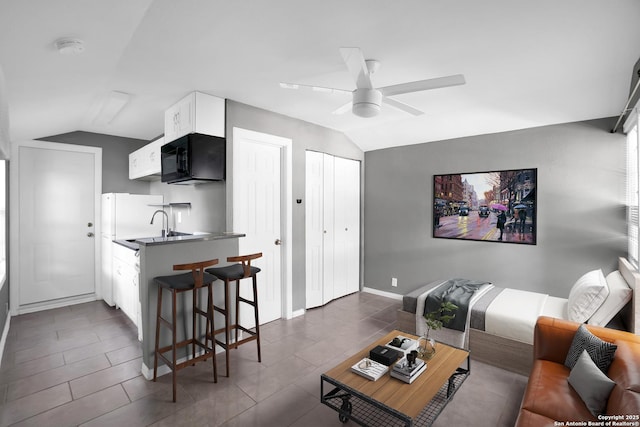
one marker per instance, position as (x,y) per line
(458,292)
(479,309)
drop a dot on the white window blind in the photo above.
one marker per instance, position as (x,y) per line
(632,193)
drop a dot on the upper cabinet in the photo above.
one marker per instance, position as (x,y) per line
(195,113)
(144,163)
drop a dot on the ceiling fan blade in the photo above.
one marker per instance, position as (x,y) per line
(354,59)
(402,106)
(341,110)
(313,88)
(420,85)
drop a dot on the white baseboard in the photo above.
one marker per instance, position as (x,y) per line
(382,293)
(298,313)
(48,305)
(5,334)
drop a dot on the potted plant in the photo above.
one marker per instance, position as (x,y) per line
(434,320)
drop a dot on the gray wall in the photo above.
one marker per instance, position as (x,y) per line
(207,200)
(581,215)
(305,136)
(115,159)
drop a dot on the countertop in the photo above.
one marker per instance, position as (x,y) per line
(134,244)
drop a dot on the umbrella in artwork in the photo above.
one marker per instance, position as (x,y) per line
(499,207)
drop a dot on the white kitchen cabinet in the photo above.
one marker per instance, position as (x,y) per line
(195,113)
(145,163)
(126,281)
(332,227)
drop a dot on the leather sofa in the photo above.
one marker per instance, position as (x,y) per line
(549,399)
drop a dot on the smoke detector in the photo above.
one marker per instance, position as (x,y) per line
(69,46)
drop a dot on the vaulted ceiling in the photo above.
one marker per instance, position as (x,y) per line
(526,64)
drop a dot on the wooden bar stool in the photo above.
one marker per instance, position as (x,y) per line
(177,284)
(236,272)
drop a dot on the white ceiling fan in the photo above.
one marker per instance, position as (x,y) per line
(367,99)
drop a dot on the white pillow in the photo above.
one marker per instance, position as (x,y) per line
(586,296)
(619,295)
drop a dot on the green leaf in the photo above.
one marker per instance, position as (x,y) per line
(435,319)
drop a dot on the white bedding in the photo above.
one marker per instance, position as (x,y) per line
(555,307)
(513,314)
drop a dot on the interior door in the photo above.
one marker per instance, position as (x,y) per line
(347,226)
(332,227)
(57,217)
(314,229)
(257,213)
(328,233)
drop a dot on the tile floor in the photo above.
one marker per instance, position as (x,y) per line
(80,365)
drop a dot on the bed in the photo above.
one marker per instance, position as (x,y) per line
(500,322)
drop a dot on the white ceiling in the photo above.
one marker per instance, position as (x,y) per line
(526,64)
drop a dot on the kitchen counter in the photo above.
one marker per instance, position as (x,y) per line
(152,241)
(134,244)
(157,258)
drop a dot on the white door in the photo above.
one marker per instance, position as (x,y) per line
(328,232)
(57,205)
(347,227)
(314,229)
(332,227)
(257,182)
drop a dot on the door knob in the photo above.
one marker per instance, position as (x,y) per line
(89,224)
(89,234)
(278,242)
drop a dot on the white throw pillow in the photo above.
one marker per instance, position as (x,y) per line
(619,295)
(586,296)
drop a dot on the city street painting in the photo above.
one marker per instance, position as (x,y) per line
(497,206)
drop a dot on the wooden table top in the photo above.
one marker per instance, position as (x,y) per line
(409,399)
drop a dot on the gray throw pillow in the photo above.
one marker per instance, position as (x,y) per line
(591,384)
(601,352)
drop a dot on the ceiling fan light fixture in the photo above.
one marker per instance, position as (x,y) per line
(366,102)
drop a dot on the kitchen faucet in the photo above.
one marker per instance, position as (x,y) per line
(168,231)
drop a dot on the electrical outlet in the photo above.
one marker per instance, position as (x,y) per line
(394,282)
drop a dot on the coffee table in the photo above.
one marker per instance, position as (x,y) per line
(391,402)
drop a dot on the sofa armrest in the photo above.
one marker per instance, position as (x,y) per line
(552,338)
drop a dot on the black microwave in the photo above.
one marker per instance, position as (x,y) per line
(194,158)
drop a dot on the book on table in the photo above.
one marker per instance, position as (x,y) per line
(406,373)
(370,369)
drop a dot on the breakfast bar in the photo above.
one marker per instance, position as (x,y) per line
(157,257)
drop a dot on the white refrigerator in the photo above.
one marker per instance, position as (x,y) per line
(125,216)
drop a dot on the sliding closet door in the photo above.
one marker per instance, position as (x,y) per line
(314,228)
(332,227)
(328,229)
(347,227)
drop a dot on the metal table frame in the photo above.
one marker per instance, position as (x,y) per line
(366,411)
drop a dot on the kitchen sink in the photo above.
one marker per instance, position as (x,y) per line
(178,233)
(171,234)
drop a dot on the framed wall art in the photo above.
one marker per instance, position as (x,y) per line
(497,206)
